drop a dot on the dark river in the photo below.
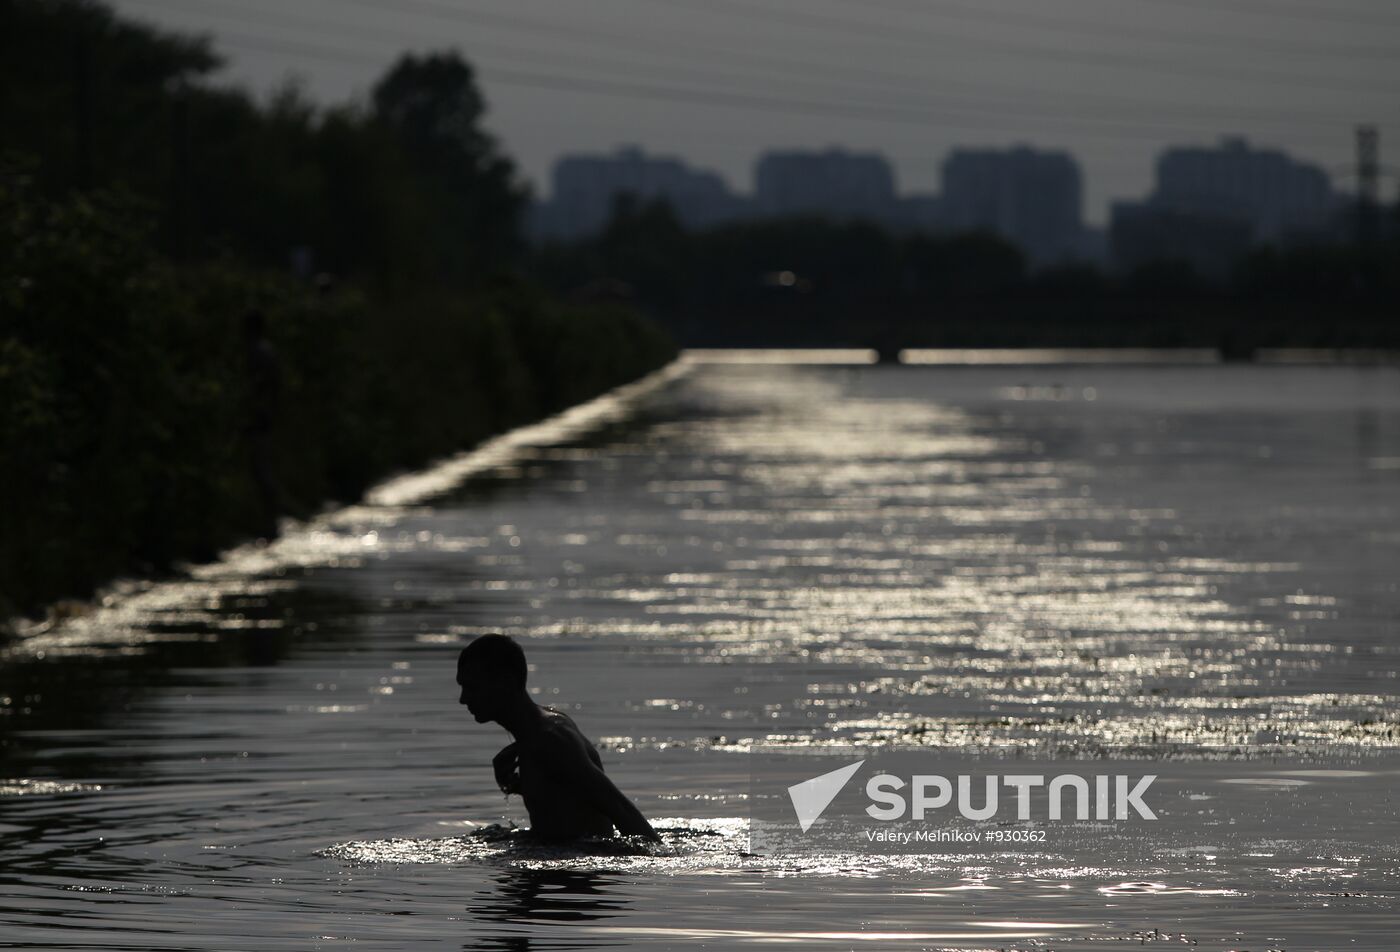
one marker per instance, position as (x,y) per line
(268,753)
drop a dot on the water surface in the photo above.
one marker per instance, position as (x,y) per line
(269,753)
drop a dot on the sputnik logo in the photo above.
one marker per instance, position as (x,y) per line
(811,797)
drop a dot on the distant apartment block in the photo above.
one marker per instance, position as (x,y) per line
(1207,206)
(585,188)
(834,184)
(1031,198)
(1210,205)
(1278,196)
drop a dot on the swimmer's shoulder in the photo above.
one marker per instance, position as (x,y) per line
(559,726)
(562,737)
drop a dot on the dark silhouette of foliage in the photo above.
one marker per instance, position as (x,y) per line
(145,214)
(819,282)
(431,105)
(124,396)
(405,190)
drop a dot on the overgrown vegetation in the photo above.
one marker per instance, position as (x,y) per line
(819,282)
(213,311)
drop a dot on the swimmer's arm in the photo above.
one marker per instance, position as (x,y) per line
(602,793)
(614,804)
(506,765)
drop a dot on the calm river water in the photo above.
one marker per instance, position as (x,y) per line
(269,754)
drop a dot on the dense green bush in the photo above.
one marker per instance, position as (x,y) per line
(126,395)
(154,212)
(852,283)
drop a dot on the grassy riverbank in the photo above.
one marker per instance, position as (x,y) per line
(135,401)
(218,309)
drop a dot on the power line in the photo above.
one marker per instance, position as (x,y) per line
(1271,9)
(845,27)
(691,96)
(710,52)
(1290,118)
(603,88)
(436,9)
(946,9)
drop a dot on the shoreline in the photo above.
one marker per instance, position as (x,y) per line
(26,636)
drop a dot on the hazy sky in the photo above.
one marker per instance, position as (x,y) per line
(718,81)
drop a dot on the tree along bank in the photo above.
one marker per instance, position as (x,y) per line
(151,413)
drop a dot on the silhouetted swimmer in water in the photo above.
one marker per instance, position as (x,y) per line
(553,767)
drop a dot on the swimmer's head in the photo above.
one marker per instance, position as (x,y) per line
(491,671)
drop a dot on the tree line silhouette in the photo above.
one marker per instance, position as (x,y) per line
(215,311)
(818,281)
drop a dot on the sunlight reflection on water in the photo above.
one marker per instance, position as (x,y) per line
(269,750)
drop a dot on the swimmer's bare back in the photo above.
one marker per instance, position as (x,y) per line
(559,775)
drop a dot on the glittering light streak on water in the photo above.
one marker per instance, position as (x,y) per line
(268,750)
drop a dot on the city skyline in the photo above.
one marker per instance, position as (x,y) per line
(1207,205)
(715,84)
